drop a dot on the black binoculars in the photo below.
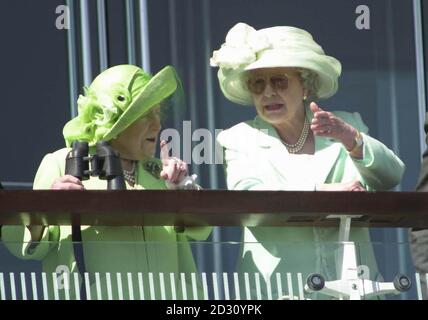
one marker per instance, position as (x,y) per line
(105,164)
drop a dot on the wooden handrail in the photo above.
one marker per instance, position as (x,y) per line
(211,207)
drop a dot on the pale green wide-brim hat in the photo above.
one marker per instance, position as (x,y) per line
(248,49)
(115,99)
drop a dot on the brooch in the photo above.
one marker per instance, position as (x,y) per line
(153,168)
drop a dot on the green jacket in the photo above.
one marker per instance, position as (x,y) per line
(111,249)
(255,159)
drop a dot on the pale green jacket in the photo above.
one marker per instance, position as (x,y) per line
(256,159)
(111,249)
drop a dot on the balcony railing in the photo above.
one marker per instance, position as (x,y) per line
(212,207)
(345,272)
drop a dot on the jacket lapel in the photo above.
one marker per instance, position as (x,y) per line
(327,152)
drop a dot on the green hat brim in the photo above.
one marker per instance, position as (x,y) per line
(160,87)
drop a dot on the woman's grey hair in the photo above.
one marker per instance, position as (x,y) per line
(310,82)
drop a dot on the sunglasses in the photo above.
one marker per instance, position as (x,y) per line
(257,84)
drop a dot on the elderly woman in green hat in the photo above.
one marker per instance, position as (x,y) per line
(121,106)
(295,144)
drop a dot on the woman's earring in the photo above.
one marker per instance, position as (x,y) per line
(305,97)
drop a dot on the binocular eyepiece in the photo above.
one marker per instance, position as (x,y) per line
(105,164)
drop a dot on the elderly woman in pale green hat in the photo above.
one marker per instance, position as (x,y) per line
(294,144)
(121,106)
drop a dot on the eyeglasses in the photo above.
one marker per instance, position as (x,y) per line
(257,84)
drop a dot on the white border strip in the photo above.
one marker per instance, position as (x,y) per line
(130,286)
(76,285)
(141,285)
(183,285)
(204,285)
(45,286)
(236,283)
(98,285)
(279,285)
(215,286)
(23,286)
(119,285)
(226,286)
(34,286)
(12,285)
(2,289)
(194,286)
(152,286)
(173,288)
(162,285)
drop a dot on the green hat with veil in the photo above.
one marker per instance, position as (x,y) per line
(115,99)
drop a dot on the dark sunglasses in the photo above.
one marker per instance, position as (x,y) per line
(257,84)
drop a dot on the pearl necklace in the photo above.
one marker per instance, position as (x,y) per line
(130,175)
(294,148)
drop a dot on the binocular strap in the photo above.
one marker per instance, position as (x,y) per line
(76,236)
